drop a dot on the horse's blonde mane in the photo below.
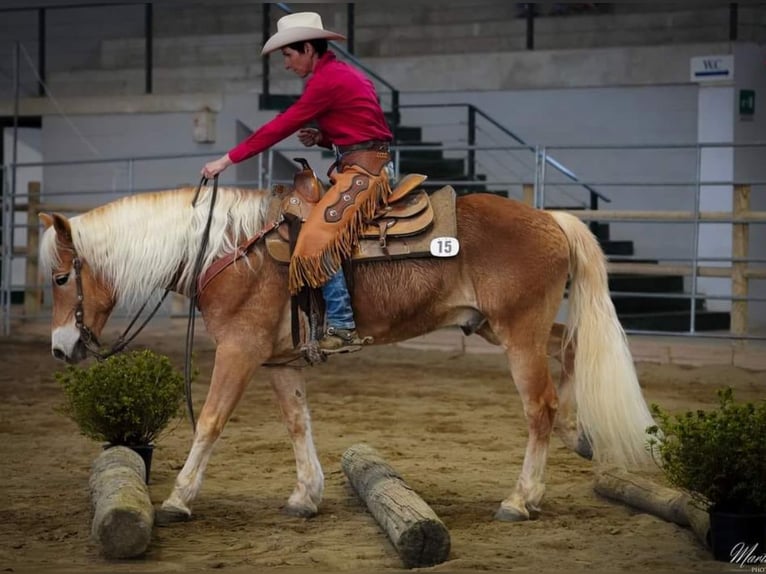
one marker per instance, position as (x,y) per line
(140,243)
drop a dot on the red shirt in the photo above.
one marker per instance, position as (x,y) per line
(338,97)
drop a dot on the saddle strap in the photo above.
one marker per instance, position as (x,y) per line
(241,251)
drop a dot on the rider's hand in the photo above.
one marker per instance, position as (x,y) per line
(215,167)
(310,136)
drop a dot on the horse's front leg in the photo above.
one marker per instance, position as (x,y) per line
(290,389)
(233,369)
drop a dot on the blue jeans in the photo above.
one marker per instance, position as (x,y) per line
(338,302)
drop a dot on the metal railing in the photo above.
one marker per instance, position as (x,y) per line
(681,218)
(474,134)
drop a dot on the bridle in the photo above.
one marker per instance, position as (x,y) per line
(88,338)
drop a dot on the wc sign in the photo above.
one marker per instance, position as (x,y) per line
(712,68)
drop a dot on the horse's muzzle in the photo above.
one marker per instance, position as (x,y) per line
(77,354)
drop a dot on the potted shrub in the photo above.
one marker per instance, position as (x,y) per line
(127,399)
(719,458)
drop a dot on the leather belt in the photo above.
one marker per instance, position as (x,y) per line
(375,145)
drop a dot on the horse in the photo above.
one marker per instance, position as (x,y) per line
(505,284)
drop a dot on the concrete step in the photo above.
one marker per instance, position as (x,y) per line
(676,321)
(219,49)
(646,283)
(181,80)
(642,304)
(572,32)
(433,28)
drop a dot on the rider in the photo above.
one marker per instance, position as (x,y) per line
(344,105)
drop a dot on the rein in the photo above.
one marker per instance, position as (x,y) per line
(89,340)
(193,295)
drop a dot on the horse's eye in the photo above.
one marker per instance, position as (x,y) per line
(61,279)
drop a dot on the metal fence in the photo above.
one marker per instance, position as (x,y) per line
(719,251)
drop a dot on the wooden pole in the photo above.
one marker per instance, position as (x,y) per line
(644,494)
(32,292)
(528,194)
(419,536)
(123,515)
(739,253)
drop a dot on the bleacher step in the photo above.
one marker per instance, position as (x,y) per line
(676,321)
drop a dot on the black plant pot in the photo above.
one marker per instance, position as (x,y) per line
(733,537)
(145,451)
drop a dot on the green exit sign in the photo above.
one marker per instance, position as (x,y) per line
(747,102)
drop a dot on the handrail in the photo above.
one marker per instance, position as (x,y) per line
(472,109)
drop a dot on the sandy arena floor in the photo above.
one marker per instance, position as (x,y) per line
(451,424)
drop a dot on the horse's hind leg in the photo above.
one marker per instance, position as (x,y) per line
(290,389)
(565,425)
(234,366)
(529,368)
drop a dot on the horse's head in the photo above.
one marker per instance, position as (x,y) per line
(82,301)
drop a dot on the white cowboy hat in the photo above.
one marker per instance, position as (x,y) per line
(298,27)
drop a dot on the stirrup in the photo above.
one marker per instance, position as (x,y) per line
(338,340)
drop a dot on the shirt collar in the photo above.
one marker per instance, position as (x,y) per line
(325,59)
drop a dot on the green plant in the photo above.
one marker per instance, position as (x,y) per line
(717,456)
(127,399)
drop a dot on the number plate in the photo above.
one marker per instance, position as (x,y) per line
(445,246)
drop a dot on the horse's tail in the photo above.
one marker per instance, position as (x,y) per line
(610,407)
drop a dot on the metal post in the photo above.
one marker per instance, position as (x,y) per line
(543,164)
(530,9)
(41,50)
(270,173)
(131,182)
(695,249)
(471,142)
(9,198)
(350,27)
(594,226)
(537,182)
(149,32)
(266,24)
(5,265)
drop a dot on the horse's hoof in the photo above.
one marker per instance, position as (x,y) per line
(169,514)
(583,447)
(504,514)
(301,511)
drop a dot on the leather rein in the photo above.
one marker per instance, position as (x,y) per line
(89,340)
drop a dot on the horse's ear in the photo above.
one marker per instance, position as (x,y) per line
(63,230)
(45,219)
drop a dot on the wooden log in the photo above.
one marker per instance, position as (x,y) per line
(123,515)
(417,533)
(666,503)
(33,295)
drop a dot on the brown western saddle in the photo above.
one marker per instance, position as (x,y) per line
(403,228)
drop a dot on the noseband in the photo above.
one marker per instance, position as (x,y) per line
(88,338)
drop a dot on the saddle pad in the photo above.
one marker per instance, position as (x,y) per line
(444,225)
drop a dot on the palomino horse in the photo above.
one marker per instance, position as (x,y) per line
(506,284)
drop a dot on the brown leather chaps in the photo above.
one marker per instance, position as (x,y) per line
(328,236)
